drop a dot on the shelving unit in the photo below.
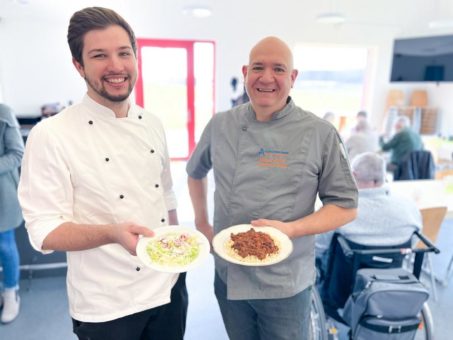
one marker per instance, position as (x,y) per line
(424,118)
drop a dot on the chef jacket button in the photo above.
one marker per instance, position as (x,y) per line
(162,220)
(244,128)
(90,122)
(121,196)
(139,117)
(156,185)
(137,269)
(152,150)
(107,159)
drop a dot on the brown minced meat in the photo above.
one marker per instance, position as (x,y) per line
(253,243)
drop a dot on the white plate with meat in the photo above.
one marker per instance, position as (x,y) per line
(252,246)
(173,249)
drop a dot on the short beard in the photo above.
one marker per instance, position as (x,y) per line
(115,99)
(104,94)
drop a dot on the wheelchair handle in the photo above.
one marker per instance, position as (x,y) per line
(430,246)
(348,252)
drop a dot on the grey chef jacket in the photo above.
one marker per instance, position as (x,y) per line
(272,170)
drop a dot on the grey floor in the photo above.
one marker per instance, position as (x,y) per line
(44,310)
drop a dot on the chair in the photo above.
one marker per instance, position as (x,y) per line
(419,165)
(395,97)
(441,174)
(448,272)
(432,221)
(419,98)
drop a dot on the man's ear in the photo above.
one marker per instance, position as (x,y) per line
(294,74)
(79,67)
(244,70)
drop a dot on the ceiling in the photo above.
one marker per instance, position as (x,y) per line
(375,13)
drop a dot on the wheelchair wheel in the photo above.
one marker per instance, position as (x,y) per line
(425,329)
(318,327)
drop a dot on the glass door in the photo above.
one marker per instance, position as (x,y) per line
(176,82)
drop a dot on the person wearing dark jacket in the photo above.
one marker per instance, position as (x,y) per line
(402,143)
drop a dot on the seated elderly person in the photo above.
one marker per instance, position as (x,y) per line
(363,139)
(402,143)
(383,218)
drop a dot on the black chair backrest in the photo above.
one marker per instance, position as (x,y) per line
(341,268)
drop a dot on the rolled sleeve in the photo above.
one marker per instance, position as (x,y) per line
(337,185)
(200,161)
(45,191)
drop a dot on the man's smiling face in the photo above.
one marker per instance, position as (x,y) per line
(109,65)
(269,76)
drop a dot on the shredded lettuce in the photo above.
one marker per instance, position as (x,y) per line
(173,249)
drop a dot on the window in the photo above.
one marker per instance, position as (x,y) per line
(331,79)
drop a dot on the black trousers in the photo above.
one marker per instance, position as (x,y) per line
(166,322)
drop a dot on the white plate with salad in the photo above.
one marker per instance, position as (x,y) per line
(173,249)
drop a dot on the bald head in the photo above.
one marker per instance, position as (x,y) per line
(272,45)
(269,77)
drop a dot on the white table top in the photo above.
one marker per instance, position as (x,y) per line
(427,193)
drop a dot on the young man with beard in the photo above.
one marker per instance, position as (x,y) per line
(95,177)
(270,160)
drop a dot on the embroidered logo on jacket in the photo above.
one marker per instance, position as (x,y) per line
(272,158)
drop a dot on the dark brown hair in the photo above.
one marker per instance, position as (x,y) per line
(94,18)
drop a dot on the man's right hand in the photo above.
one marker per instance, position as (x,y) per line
(127,235)
(71,236)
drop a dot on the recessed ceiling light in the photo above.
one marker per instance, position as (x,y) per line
(330,18)
(441,24)
(197,11)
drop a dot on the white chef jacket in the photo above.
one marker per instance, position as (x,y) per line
(86,166)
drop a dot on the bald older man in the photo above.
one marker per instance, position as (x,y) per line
(270,160)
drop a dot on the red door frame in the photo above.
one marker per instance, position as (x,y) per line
(189,46)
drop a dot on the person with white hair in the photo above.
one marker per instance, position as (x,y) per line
(402,143)
(383,217)
(364,139)
(330,117)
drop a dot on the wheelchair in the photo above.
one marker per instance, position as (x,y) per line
(337,277)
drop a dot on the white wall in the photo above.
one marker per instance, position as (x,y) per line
(35,63)
(36,67)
